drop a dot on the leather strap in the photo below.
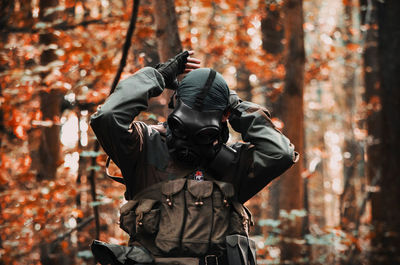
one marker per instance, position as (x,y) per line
(117,179)
(176,260)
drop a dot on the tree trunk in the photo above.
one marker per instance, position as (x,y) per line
(49,150)
(6,12)
(167,29)
(352,149)
(272,29)
(272,43)
(287,192)
(50,106)
(383,96)
(212,59)
(291,189)
(243,86)
(145,51)
(2,127)
(167,35)
(26,9)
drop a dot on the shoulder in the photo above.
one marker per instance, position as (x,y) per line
(152,142)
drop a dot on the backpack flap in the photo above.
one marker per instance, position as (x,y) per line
(127,220)
(147,217)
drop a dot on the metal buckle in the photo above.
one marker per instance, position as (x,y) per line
(212,257)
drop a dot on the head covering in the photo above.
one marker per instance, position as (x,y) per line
(217,97)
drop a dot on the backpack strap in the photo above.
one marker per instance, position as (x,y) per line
(198,103)
(117,179)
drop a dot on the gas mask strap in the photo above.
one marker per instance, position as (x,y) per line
(198,104)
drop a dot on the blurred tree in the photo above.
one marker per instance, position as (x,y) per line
(272,29)
(43,59)
(352,149)
(243,86)
(73,49)
(6,11)
(145,50)
(382,68)
(168,40)
(50,97)
(2,127)
(288,193)
(145,47)
(50,107)
(291,184)
(215,46)
(25,17)
(166,29)
(211,38)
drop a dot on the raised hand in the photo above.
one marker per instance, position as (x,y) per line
(192,63)
(173,67)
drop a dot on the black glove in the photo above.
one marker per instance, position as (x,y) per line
(172,68)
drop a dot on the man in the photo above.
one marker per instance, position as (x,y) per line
(185,187)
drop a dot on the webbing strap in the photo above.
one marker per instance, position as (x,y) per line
(198,104)
(117,179)
(252,252)
(241,250)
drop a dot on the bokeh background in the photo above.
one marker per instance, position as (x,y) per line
(327,70)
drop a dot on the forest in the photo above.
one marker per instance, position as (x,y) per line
(327,70)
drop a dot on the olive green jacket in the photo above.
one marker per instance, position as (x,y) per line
(142,155)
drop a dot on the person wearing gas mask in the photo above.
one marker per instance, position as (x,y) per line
(185,186)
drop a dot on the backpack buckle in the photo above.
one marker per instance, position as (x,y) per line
(211,260)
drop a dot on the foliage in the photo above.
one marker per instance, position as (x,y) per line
(336,238)
(89,34)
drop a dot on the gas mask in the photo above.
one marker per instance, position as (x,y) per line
(194,135)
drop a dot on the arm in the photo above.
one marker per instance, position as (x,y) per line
(121,139)
(111,123)
(269,153)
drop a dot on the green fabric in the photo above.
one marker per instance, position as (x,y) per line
(185,217)
(191,85)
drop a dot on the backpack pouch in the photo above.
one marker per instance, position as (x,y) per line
(222,195)
(239,221)
(127,220)
(147,216)
(172,216)
(199,217)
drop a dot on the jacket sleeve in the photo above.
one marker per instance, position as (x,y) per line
(112,123)
(269,153)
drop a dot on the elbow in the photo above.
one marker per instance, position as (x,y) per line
(283,162)
(289,157)
(275,163)
(101,120)
(280,160)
